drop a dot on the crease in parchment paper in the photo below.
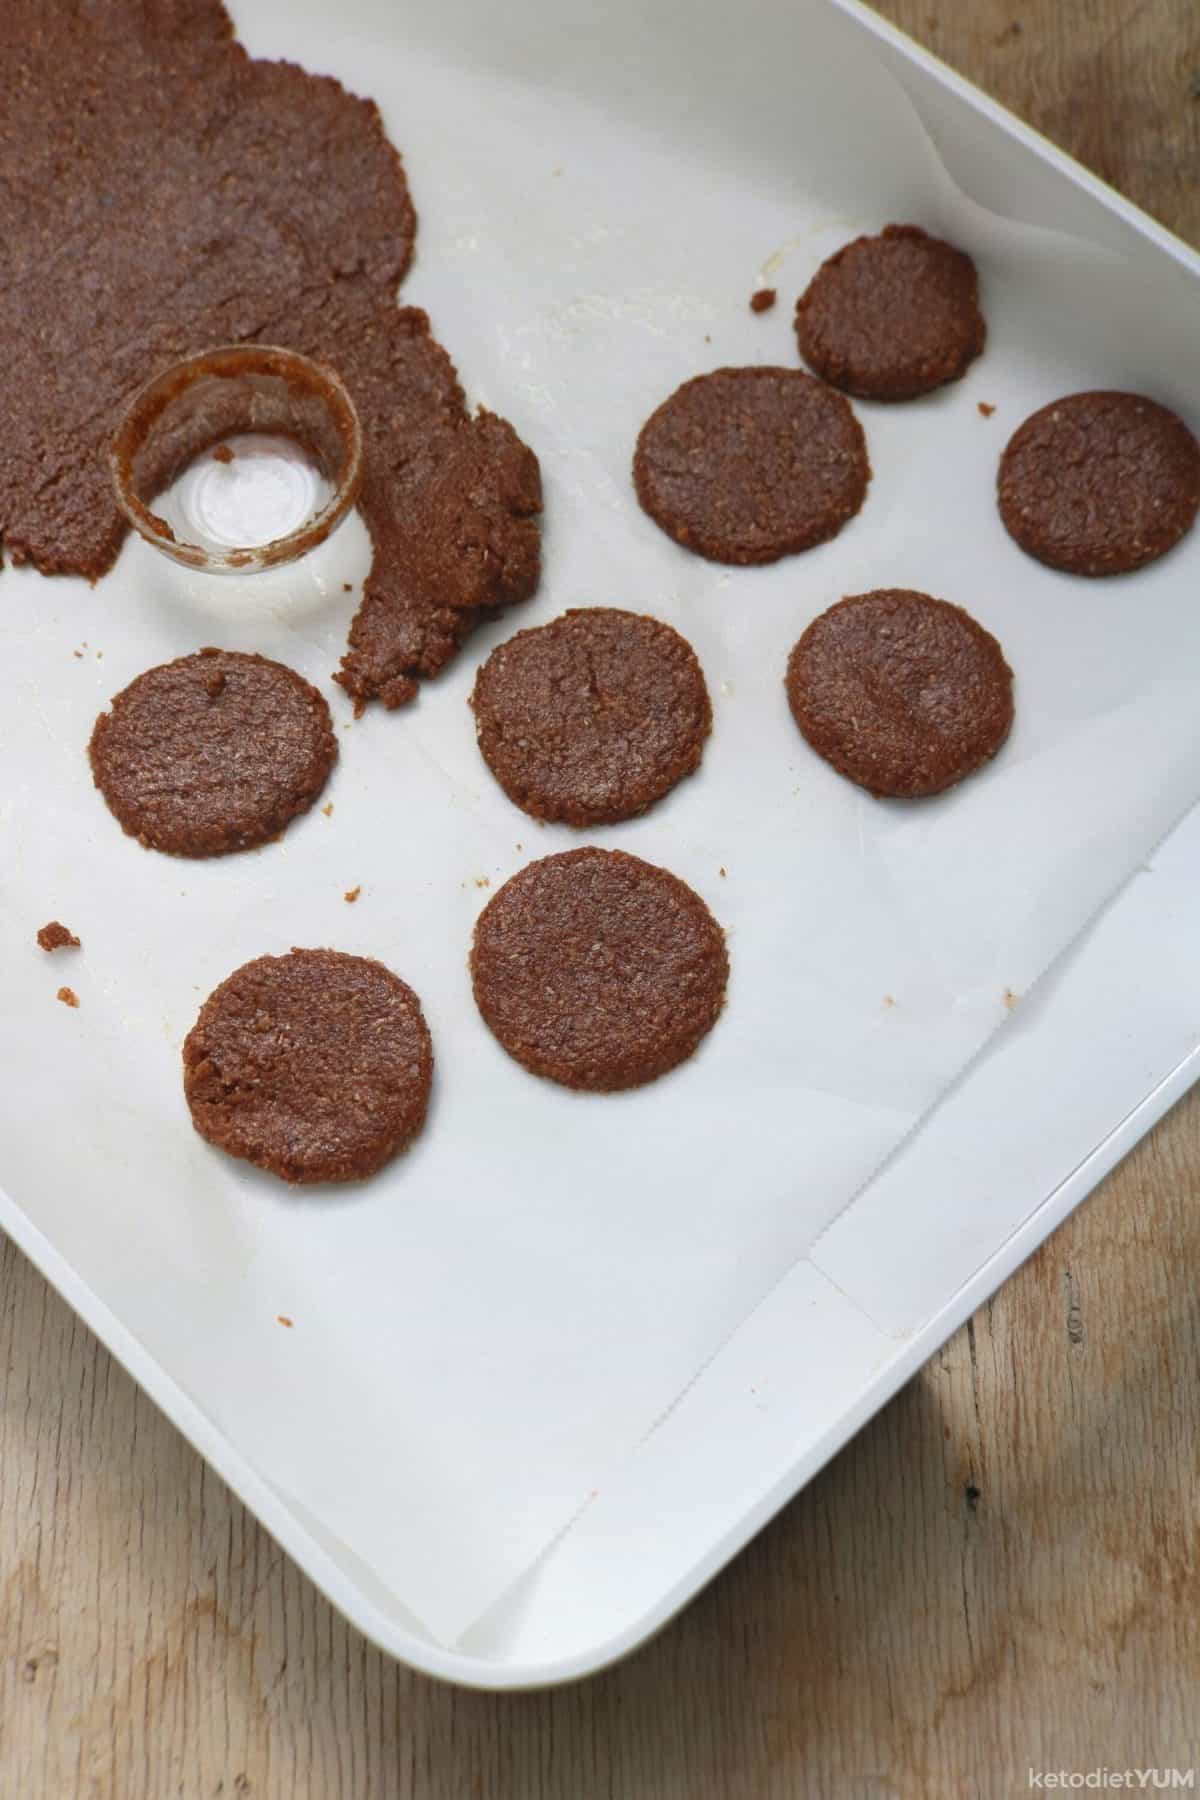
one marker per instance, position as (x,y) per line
(498,1320)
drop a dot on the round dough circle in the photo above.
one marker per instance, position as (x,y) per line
(315,1066)
(892,317)
(903,694)
(748,465)
(598,970)
(1099,483)
(212,753)
(592,718)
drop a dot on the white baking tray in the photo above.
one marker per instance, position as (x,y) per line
(1107,1040)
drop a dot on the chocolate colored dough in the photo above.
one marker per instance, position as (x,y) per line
(212,753)
(598,970)
(316,1065)
(163,193)
(55,936)
(1100,483)
(748,465)
(903,694)
(893,316)
(593,718)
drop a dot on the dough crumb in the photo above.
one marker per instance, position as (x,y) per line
(722,870)
(889,1000)
(351,895)
(1010,999)
(68,996)
(762,300)
(222,454)
(985,409)
(57,937)
(283,1319)
(328,810)
(481,881)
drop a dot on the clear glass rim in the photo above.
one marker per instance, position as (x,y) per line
(231,361)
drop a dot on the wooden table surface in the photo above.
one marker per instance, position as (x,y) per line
(1001,1572)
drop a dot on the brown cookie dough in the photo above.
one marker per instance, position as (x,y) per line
(762,300)
(452,505)
(1099,483)
(748,465)
(598,970)
(212,753)
(316,1065)
(893,316)
(593,718)
(902,693)
(57,937)
(141,141)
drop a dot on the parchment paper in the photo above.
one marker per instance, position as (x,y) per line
(484,1330)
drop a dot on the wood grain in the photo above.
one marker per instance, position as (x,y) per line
(1002,1571)
(1115,82)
